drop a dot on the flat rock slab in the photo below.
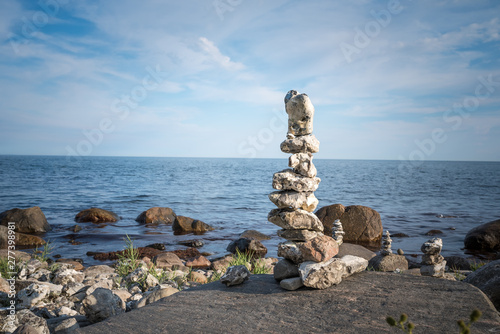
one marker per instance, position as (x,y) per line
(359,304)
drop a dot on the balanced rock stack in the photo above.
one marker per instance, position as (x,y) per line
(386,244)
(308,253)
(433,263)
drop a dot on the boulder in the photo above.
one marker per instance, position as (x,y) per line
(434,270)
(67,326)
(289,180)
(19,256)
(485,237)
(156,295)
(292,284)
(253,234)
(388,263)
(300,144)
(157,215)
(102,304)
(353,264)
(302,164)
(361,224)
(295,219)
(319,249)
(21,239)
(167,260)
(285,269)
(355,250)
(322,275)
(27,317)
(300,112)
(235,275)
(26,329)
(32,295)
(298,235)
(458,263)
(31,220)
(487,279)
(184,225)
(96,215)
(249,246)
(294,200)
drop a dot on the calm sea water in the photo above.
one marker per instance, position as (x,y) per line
(231,195)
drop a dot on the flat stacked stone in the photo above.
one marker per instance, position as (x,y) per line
(386,244)
(338,232)
(433,263)
(308,253)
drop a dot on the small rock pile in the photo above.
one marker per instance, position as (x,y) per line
(386,244)
(433,263)
(387,260)
(308,253)
(338,232)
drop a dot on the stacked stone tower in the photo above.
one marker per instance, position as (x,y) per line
(307,249)
(433,263)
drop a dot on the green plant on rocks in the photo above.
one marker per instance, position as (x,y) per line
(128,261)
(465,328)
(406,327)
(42,255)
(476,265)
(7,270)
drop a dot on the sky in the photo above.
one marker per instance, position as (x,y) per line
(398,80)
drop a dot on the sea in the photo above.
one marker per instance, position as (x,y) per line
(232,196)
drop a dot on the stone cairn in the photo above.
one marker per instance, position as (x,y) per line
(338,232)
(308,253)
(433,263)
(386,244)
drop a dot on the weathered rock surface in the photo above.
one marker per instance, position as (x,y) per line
(361,224)
(388,262)
(300,112)
(345,308)
(102,304)
(302,164)
(184,225)
(248,246)
(32,295)
(253,234)
(435,270)
(289,180)
(290,251)
(432,247)
(485,237)
(39,324)
(167,260)
(300,144)
(156,295)
(285,269)
(198,262)
(319,249)
(235,275)
(96,215)
(295,219)
(21,239)
(353,264)
(487,279)
(298,235)
(292,284)
(157,215)
(294,200)
(31,220)
(322,275)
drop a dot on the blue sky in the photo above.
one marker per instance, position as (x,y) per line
(408,80)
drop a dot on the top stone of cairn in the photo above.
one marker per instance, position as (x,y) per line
(300,112)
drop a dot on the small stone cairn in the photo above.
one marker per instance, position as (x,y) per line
(387,260)
(308,253)
(433,263)
(386,244)
(338,232)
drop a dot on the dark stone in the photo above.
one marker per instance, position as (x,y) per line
(359,304)
(458,263)
(361,224)
(285,269)
(434,232)
(249,246)
(77,228)
(31,220)
(25,329)
(96,216)
(187,254)
(355,250)
(21,239)
(183,225)
(157,215)
(487,279)
(400,235)
(235,275)
(157,245)
(485,237)
(192,243)
(253,234)
(143,252)
(388,263)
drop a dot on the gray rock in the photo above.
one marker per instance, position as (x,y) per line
(261,305)
(300,144)
(94,271)
(248,246)
(288,180)
(487,279)
(235,275)
(253,234)
(432,247)
(156,295)
(484,238)
(322,275)
(32,295)
(21,239)
(66,276)
(388,263)
(285,269)
(292,284)
(356,250)
(353,264)
(302,164)
(435,270)
(295,219)
(102,304)
(290,250)
(72,288)
(26,329)
(294,200)
(29,318)
(31,220)
(67,326)
(298,235)
(300,112)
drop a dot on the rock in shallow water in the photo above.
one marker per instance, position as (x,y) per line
(184,224)
(96,215)
(485,237)
(157,215)
(31,220)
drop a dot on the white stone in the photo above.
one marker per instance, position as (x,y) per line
(64,310)
(68,275)
(32,295)
(294,200)
(338,232)
(300,112)
(321,275)
(436,270)
(300,144)
(295,219)
(432,246)
(290,251)
(289,180)
(302,164)
(353,264)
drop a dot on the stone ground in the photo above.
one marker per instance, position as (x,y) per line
(359,304)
